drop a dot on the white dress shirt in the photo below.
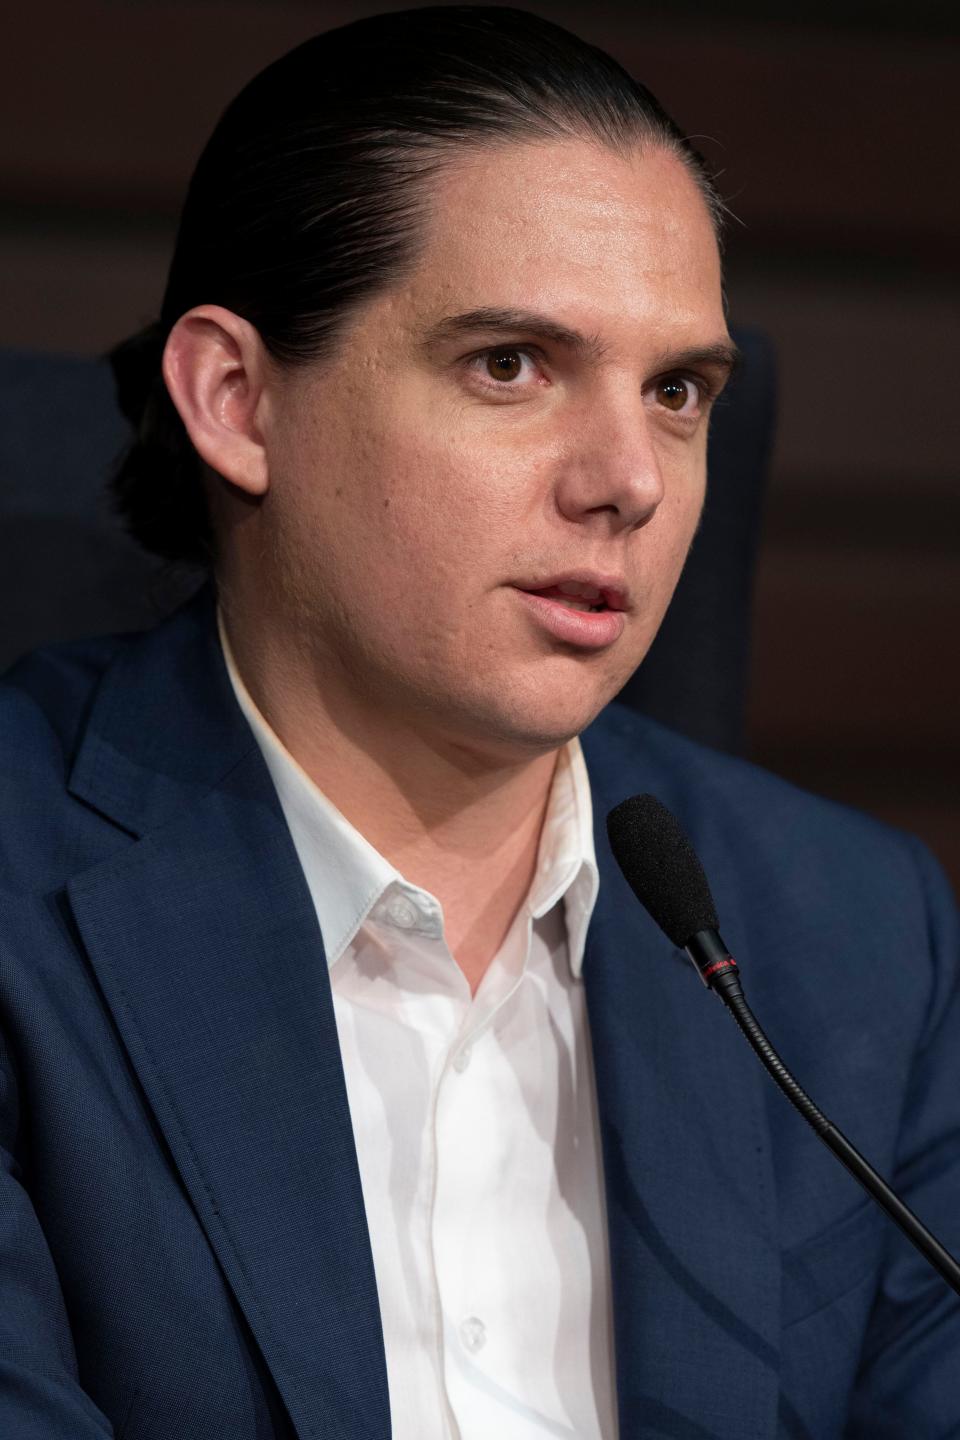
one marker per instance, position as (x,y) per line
(475,1125)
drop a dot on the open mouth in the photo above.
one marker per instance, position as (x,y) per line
(575,596)
(577,612)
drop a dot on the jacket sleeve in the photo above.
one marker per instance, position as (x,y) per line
(908,1382)
(40,1394)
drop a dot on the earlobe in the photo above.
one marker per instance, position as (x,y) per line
(215,368)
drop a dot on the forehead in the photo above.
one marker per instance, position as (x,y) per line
(617,244)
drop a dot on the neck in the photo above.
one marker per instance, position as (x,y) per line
(453,818)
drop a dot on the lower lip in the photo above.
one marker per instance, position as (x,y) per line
(587,629)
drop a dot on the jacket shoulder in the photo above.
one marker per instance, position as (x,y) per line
(855,898)
(717,795)
(797,860)
(45,700)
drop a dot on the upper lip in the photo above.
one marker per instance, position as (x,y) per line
(612,589)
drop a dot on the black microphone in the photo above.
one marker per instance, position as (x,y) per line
(663,871)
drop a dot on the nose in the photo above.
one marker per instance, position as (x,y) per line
(611,473)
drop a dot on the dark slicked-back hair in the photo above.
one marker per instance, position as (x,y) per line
(310,195)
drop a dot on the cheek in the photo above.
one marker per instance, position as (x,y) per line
(392,526)
(664,545)
(683,509)
(423,502)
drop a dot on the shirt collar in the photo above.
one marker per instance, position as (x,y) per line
(348,878)
(567,864)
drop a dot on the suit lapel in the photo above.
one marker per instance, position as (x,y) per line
(690,1196)
(205,942)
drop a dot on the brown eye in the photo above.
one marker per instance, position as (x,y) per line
(504,364)
(674,393)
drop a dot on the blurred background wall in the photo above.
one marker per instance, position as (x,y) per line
(835,126)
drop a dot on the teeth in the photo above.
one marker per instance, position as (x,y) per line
(574,587)
(575,595)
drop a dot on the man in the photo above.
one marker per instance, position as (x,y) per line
(348,1091)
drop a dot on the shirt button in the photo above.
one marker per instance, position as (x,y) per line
(473,1335)
(462,1058)
(402,912)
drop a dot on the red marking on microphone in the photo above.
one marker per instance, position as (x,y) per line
(728,964)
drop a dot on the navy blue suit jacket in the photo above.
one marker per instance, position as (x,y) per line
(183,1246)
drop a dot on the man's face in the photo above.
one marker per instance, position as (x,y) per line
(525,413)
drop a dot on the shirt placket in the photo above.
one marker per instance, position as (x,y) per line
(465,1188)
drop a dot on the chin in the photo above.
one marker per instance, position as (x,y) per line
(528,725)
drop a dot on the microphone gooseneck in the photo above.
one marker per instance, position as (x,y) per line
(664,872)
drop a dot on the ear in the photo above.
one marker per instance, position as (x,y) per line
(216,367)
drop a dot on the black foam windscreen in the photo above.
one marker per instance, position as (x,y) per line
(661,867)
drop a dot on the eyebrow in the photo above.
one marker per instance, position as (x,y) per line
(723,355)
(531,322)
